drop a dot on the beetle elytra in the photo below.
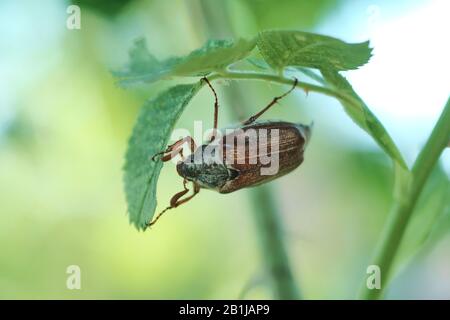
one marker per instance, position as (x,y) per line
(238,159)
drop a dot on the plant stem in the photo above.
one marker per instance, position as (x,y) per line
(271,234)
(308,87)
(399,217)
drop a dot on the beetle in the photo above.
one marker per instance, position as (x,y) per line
(226,167)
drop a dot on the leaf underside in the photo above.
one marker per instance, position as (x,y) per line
(212,56)
(150,135)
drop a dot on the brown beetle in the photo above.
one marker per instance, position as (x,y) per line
(238,158)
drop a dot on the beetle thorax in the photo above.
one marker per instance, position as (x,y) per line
(205,169)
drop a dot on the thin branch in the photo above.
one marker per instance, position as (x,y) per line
(401,213)
(308,87)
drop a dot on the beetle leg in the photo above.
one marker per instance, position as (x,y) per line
(177,201)
(274,101)
(181,154)
(216,107)
(175,149)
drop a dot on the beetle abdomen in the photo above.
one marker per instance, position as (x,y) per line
(273,151)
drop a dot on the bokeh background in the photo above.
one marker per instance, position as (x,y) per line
(64,126)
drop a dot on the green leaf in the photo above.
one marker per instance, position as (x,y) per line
(150,135)
(362,116)
(311,74)
(258,63)
(296,48)
(214,55)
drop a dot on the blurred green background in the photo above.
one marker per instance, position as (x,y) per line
(64,126)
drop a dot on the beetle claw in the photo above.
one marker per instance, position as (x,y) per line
(155,155)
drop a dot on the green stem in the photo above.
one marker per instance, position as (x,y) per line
(308,87)
(271,234)
(399,217)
